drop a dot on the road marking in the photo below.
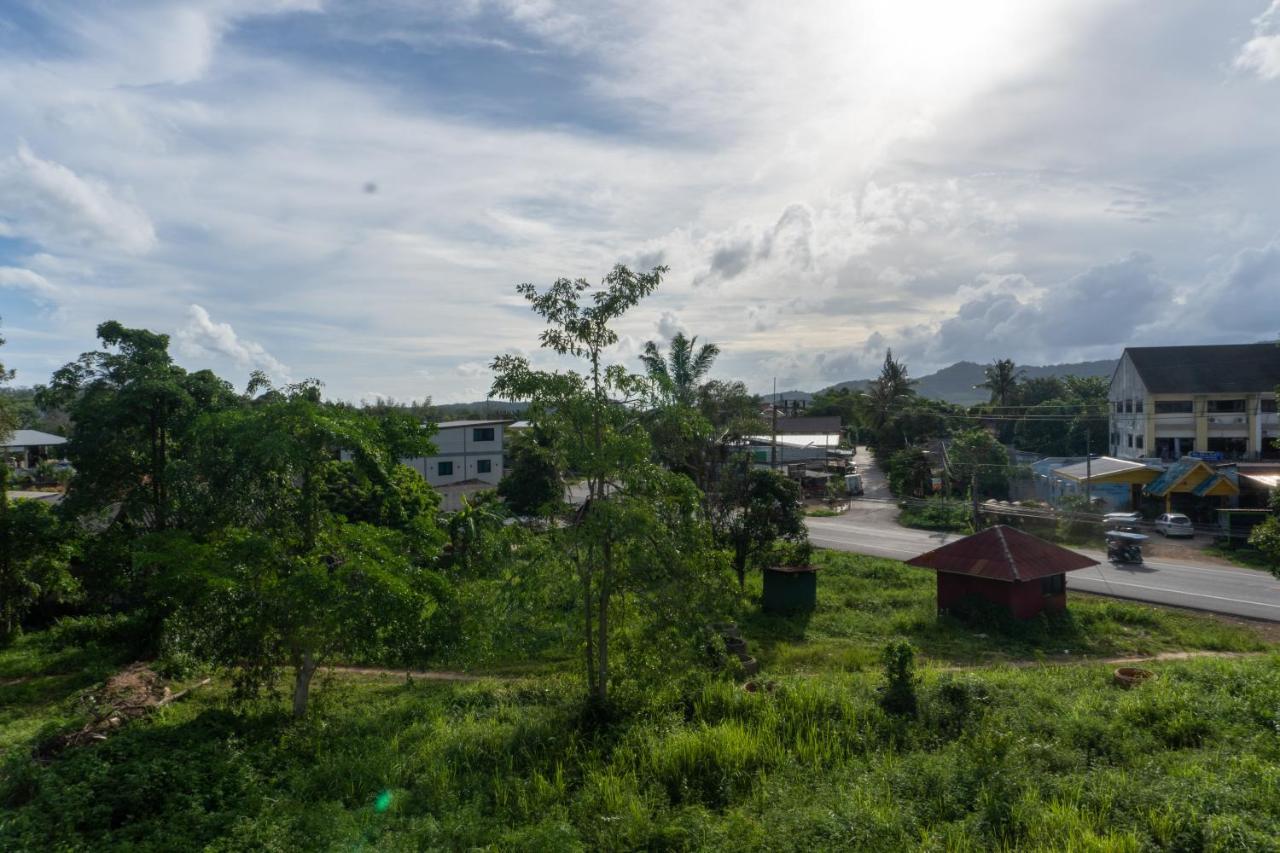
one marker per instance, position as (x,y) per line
(1179,592)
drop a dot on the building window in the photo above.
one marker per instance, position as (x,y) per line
(1227,407)
(482,434)
(1119,408)
(1138,441)
(483,466)
(1173,407)
(1129,436)
(1137,406)
(444,469)
(1267,407)
(1053,585)
(1128,407)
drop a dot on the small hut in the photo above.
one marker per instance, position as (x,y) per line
(1019,572)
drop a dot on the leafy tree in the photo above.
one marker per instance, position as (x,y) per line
(469,527)
(679,374)
(1002,378)
(976,457)
(532,485)
(754,509)
(36,549)
(251,602)
(909,473)
(280,573)
(131,407)
(1041,389)
(639,534)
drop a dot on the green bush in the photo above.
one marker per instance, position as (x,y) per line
(899,692)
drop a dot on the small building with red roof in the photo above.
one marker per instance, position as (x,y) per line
(1002,565)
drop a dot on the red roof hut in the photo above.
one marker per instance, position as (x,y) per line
(1003,565)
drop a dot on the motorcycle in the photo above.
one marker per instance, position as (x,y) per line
(1124,546)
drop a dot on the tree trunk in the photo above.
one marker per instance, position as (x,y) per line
(584,573)
(302,684)
(740,566)
(602,650)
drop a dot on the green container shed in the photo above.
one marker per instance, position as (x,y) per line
(790,588)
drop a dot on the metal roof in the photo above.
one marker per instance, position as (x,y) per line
(32,438)
(1243,368)
(1176,473)
(1002,553)
(1100,468)
(489,422)
(808,426)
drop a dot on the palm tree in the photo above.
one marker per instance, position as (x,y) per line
(1002,379)
(888,392)
(680,373)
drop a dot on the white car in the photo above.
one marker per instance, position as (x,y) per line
(1122,518)
(1175,524)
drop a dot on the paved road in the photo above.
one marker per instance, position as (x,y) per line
(869,528)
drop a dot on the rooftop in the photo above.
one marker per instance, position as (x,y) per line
(808,426)
(32,438)
(458,424)
(1244,368)
(1100,468)
(1004,554)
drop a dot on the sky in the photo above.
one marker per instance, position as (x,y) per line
(352,191)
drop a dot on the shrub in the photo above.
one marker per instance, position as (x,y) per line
(899,693)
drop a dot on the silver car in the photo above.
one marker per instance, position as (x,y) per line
(1175,524)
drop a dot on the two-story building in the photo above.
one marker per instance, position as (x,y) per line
(468,459)
(1218,402)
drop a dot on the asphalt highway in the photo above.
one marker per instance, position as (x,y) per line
(1239,592)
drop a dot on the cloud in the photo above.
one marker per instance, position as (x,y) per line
(33,283)
(1261,54)
(201,337)
(48,202)
(669,325)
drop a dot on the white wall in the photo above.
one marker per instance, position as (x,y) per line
(459,447)
(1128,390)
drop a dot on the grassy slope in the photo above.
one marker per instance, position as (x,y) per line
(1028,758)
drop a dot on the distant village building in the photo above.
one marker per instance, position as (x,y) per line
(26,448)
(1214,402)
(468,460)
(1015,571)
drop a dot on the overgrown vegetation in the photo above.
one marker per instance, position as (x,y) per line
(1045,758)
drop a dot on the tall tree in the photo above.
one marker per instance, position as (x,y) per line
(679,374)
(131,407)
(639,534)
(754,510)
(1002,378)
(882,404)
(282,575)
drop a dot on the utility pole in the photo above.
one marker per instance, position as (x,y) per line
(773,438)
(1088,468)
(973,496)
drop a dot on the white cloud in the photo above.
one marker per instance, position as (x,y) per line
(39,287)
(48,202)
(1261,54)
(669,325)
(201,337)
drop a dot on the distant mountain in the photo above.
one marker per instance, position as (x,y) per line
(955,383)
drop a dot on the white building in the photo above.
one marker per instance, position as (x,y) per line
(466,451)
(1218,402)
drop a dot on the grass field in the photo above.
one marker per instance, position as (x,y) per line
(1035,756)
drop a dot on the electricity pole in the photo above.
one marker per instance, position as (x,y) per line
(773,438)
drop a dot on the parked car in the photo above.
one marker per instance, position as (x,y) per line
(1175,524)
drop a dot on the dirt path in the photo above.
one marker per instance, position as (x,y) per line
(1114,661)
(421,675)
